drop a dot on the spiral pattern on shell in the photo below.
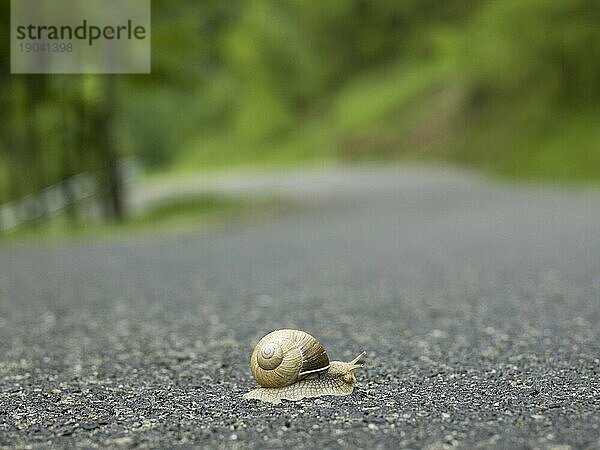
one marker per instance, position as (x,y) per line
(283,357)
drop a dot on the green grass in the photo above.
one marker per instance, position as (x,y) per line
(422,112)
(321,137)
(188,214)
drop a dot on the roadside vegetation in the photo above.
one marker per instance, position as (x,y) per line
(189,214)
(509,87)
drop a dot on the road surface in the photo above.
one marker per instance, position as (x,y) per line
(478,305)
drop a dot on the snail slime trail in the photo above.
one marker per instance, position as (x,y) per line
(292,365)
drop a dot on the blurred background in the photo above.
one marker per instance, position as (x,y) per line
(509,87)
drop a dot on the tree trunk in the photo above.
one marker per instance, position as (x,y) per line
(112,182)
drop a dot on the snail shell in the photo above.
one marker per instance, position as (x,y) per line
(284,357)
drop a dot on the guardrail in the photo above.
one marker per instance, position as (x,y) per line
(51,200)
(79,192)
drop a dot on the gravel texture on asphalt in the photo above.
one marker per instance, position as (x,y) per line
(478,306)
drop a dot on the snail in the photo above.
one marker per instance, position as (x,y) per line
(292,364)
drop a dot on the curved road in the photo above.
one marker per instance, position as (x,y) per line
(478,306)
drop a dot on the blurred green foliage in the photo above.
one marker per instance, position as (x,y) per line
(511,86)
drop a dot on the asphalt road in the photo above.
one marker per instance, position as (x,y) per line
(478,306)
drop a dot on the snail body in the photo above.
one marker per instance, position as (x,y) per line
(292,364)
